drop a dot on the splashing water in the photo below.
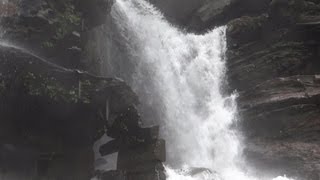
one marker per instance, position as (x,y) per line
(179,76)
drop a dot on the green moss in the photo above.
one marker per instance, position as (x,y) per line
(67,19)
(39,85)
(85,94)
(48,44)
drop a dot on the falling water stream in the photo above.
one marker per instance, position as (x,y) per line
(181,76)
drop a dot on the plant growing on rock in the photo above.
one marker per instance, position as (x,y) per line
(67,19)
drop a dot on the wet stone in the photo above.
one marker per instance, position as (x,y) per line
(317,78)
(152,175)
(146,135)
(150,133)
(145,167)
(148,152)
(113,175)
(110,147)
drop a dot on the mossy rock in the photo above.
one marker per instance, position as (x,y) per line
(41,99)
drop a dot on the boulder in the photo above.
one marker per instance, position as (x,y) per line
(220,12)
(53,114)
(144,153)
(178,11)
(151,175)
(148,166)
(113,175)
(110,147)
(124,137)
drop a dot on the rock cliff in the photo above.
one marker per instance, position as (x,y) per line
(51,116)
(52,113)
(273,62)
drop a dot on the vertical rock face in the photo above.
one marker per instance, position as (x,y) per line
(273,62)
(140,157)
(52,29)
(50,115)
(49,28)
(103,52)
(178,11)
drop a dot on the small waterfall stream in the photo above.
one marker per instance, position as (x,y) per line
(179,78)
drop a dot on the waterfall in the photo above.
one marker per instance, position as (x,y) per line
(179,78)
(181,74)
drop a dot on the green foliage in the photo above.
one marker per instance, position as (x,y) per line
(39,85)
(48,44)
(85,95)
(67,19)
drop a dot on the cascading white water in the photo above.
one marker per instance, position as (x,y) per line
(182,75)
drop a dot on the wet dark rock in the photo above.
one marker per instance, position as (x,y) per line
(280,59)
(140,152)
(152,170)
(110,147)
(95,11)
(146,167)
(54,113)
(284,108)
(51,113)
(46,27)
(113,175)
(260,50)
(53,29)
(202,15)
(219,12)
(178,11)
(273,63)
(126,138)
(278,156)
(137,158)
(147,152)
(151,175)
(246,29)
